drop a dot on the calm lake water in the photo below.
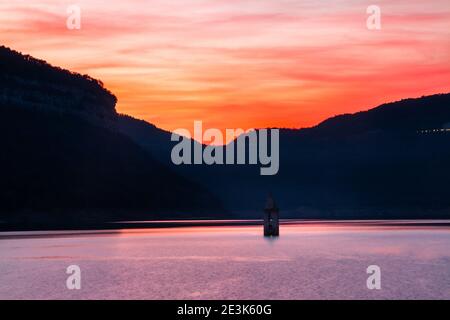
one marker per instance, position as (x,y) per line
(309,261)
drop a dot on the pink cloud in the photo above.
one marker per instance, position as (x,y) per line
(273,63)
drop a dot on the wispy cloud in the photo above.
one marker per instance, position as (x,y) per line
(241,63)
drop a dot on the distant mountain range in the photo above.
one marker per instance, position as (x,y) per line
(68,156)
(392,161)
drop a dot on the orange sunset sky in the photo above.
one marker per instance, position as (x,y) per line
(241,63)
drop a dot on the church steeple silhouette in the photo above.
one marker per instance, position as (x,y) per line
(271,218)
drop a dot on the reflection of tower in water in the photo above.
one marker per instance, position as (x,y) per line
(271,219)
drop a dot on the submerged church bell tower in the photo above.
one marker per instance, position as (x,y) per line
(271,219)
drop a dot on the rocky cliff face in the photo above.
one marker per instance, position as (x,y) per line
(31,83)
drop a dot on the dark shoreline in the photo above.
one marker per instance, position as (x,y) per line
(119,225)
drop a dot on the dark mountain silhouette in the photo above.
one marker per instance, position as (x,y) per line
(64,161)
(34,84)
(381,163)
(405,115)
(67,156)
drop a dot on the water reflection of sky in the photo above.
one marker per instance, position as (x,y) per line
(313,260)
